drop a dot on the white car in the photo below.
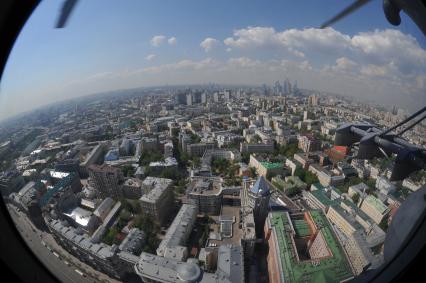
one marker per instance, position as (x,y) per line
(79,272)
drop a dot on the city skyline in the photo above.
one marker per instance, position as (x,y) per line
(105,47)
(237,184)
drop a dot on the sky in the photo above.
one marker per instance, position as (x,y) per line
(110,45)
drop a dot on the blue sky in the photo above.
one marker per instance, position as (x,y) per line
(108,45)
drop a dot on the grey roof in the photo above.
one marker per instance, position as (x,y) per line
(104,207)
(100,250)
(133,241)
(230,265)
(158,187)
(176,235)
(167,270)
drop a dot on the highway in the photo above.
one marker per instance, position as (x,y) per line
(64,272)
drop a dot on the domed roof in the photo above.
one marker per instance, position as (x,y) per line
(188,272)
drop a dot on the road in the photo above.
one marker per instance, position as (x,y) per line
(33,238)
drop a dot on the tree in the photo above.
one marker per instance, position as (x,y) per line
(128,170)
(355,198)
(196,161)
(292,191)
(245,157)
(253,172)
(132,206)
(150,156)
(151,229)
(256,139)
(308,177)
(194,138)
(220,165)
(110,236)
(384,224)
(125,215)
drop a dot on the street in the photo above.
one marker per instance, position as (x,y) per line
(63,265)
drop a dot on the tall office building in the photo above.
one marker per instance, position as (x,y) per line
(313,100)
(309,143)
(216,97)
(227,95)
(106,180)
(204,98)
(189,100)
(196,97)
(181,98)
(258,199)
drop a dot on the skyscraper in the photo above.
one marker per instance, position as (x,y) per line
(258,196)
(189,99)
(107,180)
(181,98)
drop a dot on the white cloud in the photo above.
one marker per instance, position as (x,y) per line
(150,57)
(182,64)
(253,37)
(228,49)
(296,53)
(208,44)
(379,46)
(344,64)
(295,65)
(386,53)
(172,40)
(157,40)
(383,46)
(243,62)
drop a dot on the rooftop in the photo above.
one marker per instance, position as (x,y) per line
(158,187)
(175,236)
(331,269)
(260,187)
(376,203)
(272,165)
(80,216)
(205,187)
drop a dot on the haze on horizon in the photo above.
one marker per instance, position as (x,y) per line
(108,46)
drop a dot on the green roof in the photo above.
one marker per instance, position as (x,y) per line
(376,203)
(332,269)
(318,186)
(322,197)
(301,228)
(272,165)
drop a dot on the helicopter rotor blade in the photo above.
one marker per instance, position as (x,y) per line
(354,6)
(66,10)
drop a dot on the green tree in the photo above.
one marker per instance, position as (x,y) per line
(256,139)
(110,236)
(245,157)
(196,161)
(308,177)
(128,170)
(355,198)
(384,224)
(253,172)
(292,191)
(151,229)
(150,156)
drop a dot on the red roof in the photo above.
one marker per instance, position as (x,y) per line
(342,149)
